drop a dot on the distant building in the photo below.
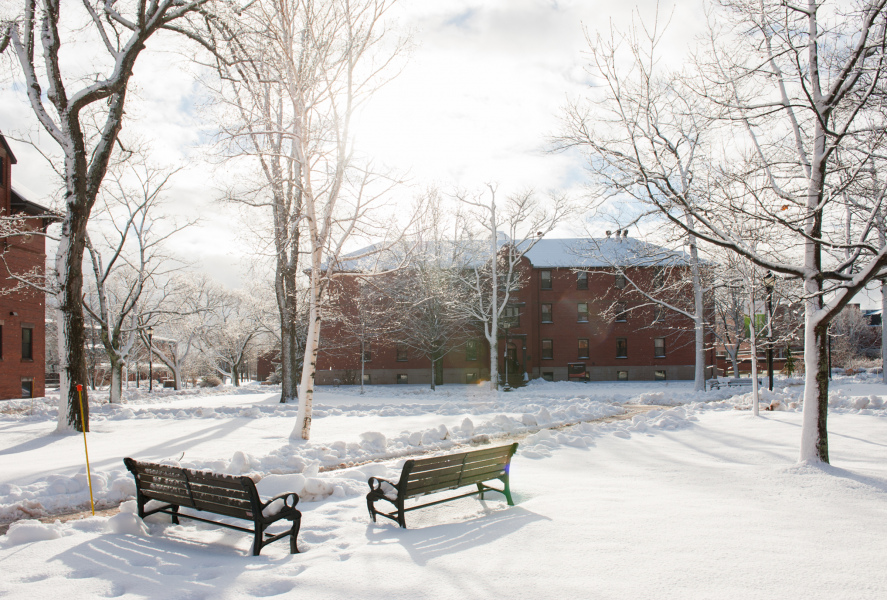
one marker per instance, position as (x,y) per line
(22,313)
(562,321)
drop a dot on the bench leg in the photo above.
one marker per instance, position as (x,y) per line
(257,542)
(480,488)
(175,518)
(507,491)
(401,514)
(371,507)
(294,533)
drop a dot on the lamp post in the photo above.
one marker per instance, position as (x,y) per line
(150,332)
(769,279)
(506,325)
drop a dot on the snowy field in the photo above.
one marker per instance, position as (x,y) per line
(693,499)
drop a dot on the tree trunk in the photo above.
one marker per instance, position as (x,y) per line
(753,338)
(883,332)
(309,364)
(433,372)
(235,375)
(699,316)
(814,433)
(71,330)
(289,373)
(115,392)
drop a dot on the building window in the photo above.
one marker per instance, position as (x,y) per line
(621,348)
(2,171)
(659,347)
(367,379)
(658,278)
(583,312)
(659,314)
(547,349)
(367,352)
(582,280)
(470,377)
(402,378)
(583,348)
(545,277)
(27,343)
(512,315)
(659,375)
(620,281)
(621,314)
(548,375)
(27,387)
(621,375)
(401,352)
(471,350)
(1,341)
(546,313)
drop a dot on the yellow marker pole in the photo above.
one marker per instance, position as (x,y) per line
(85,449)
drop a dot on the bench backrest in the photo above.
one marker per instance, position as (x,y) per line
(202,490)
(428,475)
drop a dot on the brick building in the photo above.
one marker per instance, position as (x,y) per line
(574,309)
(22,310)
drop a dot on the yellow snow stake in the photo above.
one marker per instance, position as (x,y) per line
(85,449)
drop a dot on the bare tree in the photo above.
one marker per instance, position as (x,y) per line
(84,115)
(129,262)
(233,324)
(492,276)
(773,115)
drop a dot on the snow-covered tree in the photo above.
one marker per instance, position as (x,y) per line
(792,88)
(128,265)
(82,109)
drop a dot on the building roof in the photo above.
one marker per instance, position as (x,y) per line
(602,252)
(22,204)
(6,147)
(574,253)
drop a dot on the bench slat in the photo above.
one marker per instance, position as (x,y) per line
(473,465)
(202,488)
(426,464)
(447,481)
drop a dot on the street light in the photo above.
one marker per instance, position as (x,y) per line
(769,279)
(150,331)
(506,325)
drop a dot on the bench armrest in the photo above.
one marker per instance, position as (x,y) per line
(284,502)
(294,497)
(383,487)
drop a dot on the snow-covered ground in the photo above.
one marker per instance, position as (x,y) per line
(694,499)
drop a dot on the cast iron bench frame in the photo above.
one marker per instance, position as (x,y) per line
(214,493)
(422,476)
(716,384)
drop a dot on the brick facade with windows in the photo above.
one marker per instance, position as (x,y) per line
(22,310)
(576,312)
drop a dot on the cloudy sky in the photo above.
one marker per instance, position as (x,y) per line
(477,98)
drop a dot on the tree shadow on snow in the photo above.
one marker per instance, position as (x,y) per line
(427,543)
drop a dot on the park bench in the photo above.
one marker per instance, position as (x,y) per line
(441,473)
(715,384)
(175,487)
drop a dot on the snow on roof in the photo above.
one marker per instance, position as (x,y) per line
(602,252)
(576,253)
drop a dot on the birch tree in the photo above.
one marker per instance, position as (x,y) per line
(83,114)
(787,96)
(493,275)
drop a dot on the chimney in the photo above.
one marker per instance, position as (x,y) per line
(609,233)
(625,233)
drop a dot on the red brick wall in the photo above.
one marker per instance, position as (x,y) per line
(565,330)
(22,307)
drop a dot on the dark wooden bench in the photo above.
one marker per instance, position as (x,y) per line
(175,487)
(440,473)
